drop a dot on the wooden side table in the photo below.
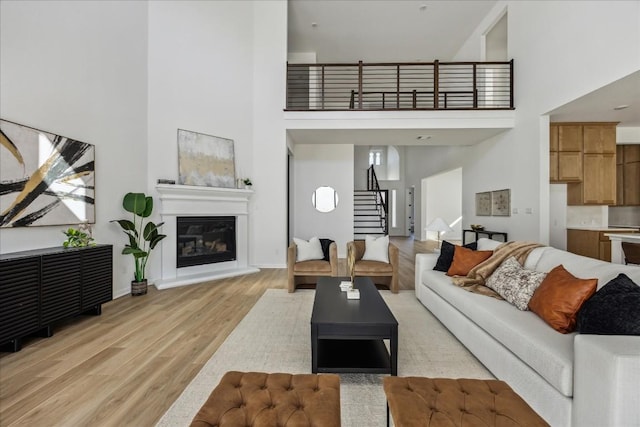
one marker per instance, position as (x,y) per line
(487,233)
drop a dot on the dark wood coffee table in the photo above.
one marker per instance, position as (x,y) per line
(348,335)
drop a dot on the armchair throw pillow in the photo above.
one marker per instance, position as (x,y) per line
(613,310)
(307,251)
(376,248)
(559,297)
(325,243)
(515,283)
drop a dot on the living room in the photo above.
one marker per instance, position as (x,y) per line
(125,76)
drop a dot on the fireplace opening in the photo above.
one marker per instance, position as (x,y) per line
(205,240)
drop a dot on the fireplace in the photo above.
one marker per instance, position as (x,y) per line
(205,240)
(191,202)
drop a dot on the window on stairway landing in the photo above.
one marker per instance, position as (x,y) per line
(374,158)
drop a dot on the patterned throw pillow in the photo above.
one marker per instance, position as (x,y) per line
(515,283)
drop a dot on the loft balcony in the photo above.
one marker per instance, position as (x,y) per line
(400,86)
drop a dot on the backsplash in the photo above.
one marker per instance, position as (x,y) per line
(624,215)
(587,216)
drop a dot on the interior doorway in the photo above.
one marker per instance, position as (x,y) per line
(442,198)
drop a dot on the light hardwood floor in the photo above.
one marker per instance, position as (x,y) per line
(127,366)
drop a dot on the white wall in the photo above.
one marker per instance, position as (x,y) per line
(78,69)
(198,83)
(211,75)
(562,50)
(558,216)
(316,165)
(443,199)
(268,220)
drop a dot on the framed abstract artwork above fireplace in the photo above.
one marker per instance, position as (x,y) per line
(45,179)
(205,160)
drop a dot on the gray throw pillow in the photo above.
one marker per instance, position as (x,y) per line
(515,283)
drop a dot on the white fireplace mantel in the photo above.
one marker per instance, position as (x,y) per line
(188,200)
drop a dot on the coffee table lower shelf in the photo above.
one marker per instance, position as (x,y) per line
(353,356)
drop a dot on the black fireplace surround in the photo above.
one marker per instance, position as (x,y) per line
(205,240)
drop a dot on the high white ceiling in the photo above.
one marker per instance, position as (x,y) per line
(410,30)
(598,106)
(383,31)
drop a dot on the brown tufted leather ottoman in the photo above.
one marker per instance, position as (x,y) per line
(440,402)
(272,400)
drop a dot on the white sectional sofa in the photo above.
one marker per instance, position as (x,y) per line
(569,379)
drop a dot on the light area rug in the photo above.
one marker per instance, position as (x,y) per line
(275,336)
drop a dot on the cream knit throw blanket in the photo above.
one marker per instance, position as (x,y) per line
(475,280)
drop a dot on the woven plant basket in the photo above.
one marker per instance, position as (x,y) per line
(138,288)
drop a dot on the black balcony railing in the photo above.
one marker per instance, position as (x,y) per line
(400,86)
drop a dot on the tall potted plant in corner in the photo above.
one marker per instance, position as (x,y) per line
(142,237)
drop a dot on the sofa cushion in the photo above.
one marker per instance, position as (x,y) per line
(515,283)
(373,268)
(312,267)
(522,332)
(613,310)
(559,297)
(376,248)
(485,244)
(306,251)
(465,259)
(446,254)
(584,267)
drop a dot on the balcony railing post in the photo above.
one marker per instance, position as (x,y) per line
(287,87)
(360,85)
(436,84)
(323,87)
(511,84)
(475,90)
(398,86)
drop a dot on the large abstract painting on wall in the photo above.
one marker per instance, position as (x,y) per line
(45,179)
(205,160)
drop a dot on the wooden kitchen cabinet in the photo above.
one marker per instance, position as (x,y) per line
(632,184)
(565,153)
(591,243)
(586,160)
(570,137)
(570,166)
(628,175)
(600,138)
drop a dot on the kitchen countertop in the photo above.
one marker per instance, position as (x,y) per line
(596,228)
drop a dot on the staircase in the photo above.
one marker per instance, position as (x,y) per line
(368,214)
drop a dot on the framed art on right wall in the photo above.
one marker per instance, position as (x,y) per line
(501,202)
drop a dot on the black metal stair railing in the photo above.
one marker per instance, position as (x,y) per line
(382,204)
(400,86)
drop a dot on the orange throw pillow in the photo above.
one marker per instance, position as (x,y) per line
(465,259)
(559,297)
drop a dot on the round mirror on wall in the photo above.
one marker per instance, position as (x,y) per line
(324,199)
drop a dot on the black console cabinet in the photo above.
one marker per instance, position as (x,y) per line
(42,286)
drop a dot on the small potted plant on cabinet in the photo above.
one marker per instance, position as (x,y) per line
(142,237)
